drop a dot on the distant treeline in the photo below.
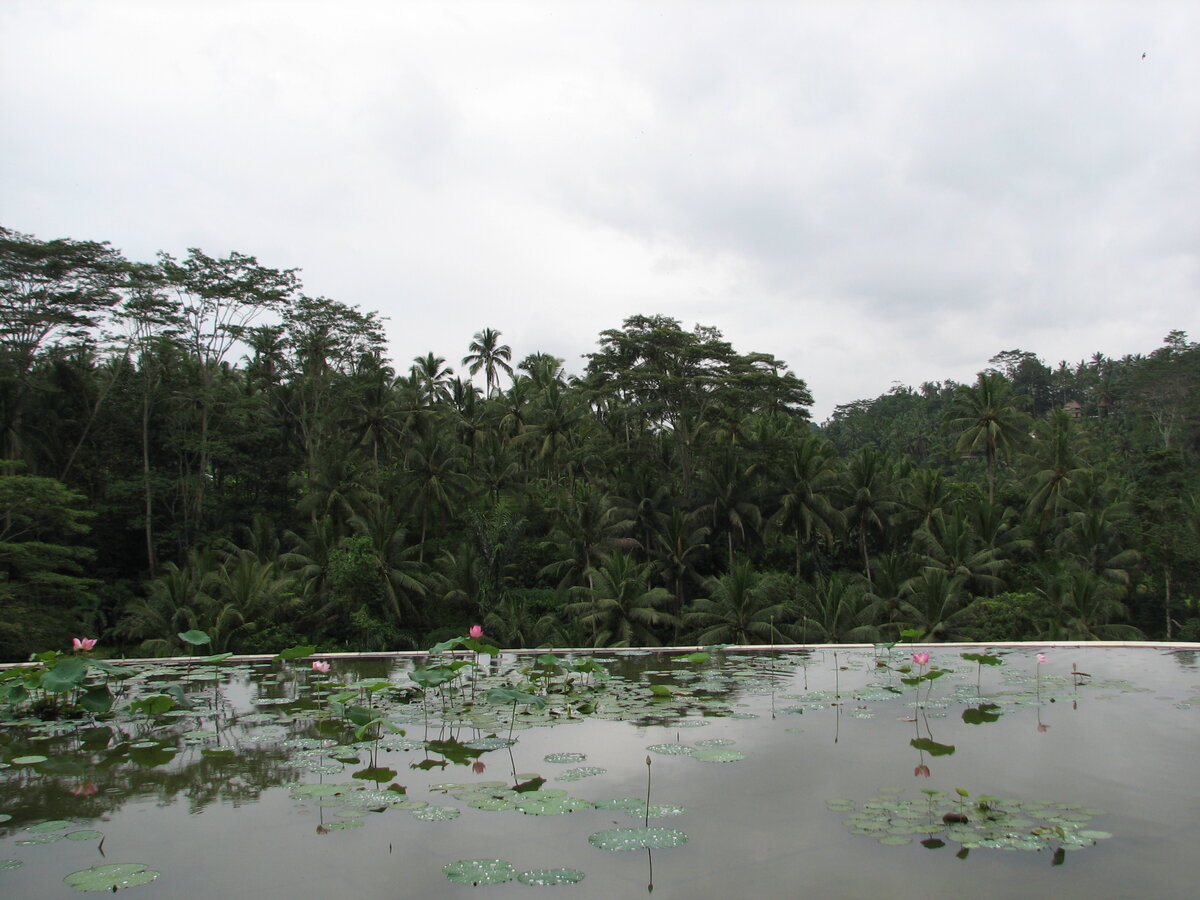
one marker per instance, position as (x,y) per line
(195,443)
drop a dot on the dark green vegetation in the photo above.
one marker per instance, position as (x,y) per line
(196,444)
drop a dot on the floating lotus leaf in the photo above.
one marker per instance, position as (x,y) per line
(480,871)
(547,877)
(580,773)
(345,825)
(111,877)
(621,839)
(493,804)
(565,758)
(436,813)
(656,811)
(317,790)
(39,839)
(84,835)
(28,760)
(7,865)
(489,743)
(621,803)
(716,742)
(717,755)
(52,825)
(671,749)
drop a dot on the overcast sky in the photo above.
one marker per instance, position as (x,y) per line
(872,192)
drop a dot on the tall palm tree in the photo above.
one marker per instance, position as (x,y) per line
(743,607)
(948,544)
(804,507)
(1056,458)
(433,375)
(936,603)
(730,489)
(868,491)
(620,609)
(1088,607)
(487,353)
(837,610)
(988,421)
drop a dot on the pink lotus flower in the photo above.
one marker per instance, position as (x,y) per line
(920,658)
(476,631)
(83,643)
(478,767)
(319,665)
(86,789)
(1041,657)
(1043,728)
(921,770)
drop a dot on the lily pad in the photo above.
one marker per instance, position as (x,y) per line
(718,755)
(111,877)
(480,871)
(436,813)
(547,877)
(622,839)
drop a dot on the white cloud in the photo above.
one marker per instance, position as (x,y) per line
(872,192)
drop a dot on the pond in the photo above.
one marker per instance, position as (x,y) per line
(831,772)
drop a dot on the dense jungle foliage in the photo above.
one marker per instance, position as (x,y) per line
(195,443)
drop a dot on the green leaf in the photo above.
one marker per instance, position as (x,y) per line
(154,704)
(121,672)
(933,748)
(220,657)
(298,652)
(195,637)
(506,695)
(981,715)
(699,656)
(111,877)
(660,690)
(984,659)
(97,699)
(66,675)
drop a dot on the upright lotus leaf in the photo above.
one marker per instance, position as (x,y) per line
(506,695)
(66,675)
(153,704)
(477,646)
(16,693)
(195,637)
(446,646)
(109,670)
(220,657)
(298,652)
(97,699)
(984,659)
(933,748)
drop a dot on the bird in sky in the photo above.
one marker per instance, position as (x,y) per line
(1143,55)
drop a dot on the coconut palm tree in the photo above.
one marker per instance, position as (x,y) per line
(1088,607)
(936,603)
(836,610)
(487,353)
(620,609)
(868,498)
(988,421)
(804,506)
(743,607)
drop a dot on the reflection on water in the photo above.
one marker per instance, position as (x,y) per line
(838,773)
